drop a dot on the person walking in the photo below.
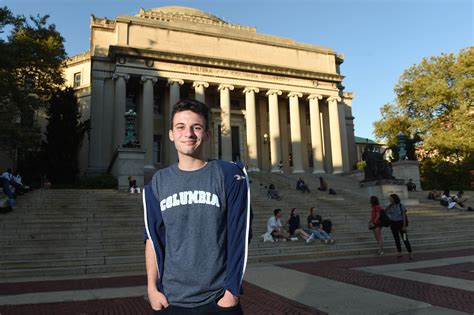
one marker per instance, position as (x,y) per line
(197,223)
(375,224)
(398,224)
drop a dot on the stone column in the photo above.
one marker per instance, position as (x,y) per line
(251,123)
(174,98)
(274,128)
(316,140)
(96,160)
(226,131)
(295,125)
(199,87)
(147,131)
(335,130)
(342,120)
(119,107)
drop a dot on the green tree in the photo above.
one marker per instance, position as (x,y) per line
(64,135)
(31,69)
(434,107)
(435,102)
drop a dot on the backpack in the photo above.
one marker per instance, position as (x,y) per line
(327,226)
(384,219)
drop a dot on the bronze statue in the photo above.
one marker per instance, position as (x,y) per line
(376,167)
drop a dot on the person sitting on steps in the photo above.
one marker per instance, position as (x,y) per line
(294,227)
(301,185)
(323,185)
(275,228)
(272,193)
(315,227)
(411,186)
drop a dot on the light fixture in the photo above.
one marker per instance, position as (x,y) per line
(265,138)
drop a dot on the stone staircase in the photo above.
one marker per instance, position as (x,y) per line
(431,226)
(72,232)
(59,233)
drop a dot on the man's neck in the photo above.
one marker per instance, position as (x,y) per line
(188,163)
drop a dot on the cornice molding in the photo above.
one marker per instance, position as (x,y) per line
(115,51)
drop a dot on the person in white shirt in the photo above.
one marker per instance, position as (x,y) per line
(275,228)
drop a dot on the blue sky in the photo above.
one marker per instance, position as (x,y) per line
(379,38)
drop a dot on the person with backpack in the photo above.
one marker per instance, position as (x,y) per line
(398,224)
(375,223)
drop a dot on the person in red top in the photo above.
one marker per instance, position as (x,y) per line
(374,223)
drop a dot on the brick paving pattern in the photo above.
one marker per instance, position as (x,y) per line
(68,285)
(341,270)
(463,271)
(254,301)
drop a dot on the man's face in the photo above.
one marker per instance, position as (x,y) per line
(278,215)
(188,133)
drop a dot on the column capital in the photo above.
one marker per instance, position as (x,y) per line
(117,75)
(200,83)
(225,86)
(271,92)
(334,98)
(315,97)
(175,81)
(293,94)
(249,89)
(145,78)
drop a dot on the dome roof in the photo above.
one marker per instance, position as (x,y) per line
(186,11)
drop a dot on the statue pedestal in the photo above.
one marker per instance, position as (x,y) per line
(383,188)
(129,162)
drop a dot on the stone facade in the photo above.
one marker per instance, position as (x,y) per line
(272,99)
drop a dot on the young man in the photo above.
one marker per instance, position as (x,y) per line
(275,228)
(315,227)
(197,224)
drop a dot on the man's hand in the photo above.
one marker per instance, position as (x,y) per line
(228,300)
(157,299)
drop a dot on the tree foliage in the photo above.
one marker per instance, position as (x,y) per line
(64,135)
(434,101)
(434,107)
(31,69)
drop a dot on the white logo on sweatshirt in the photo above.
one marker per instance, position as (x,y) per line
(239,177)
(188,198)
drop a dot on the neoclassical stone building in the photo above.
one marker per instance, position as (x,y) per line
(272,99)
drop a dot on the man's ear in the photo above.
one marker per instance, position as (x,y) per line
(170,135)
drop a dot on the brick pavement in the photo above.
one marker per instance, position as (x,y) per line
(463,271)
(254,301)
(342,270)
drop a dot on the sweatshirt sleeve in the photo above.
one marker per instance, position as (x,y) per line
(154,229)
(237,192)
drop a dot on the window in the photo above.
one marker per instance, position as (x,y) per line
(157,149)
(77,79)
